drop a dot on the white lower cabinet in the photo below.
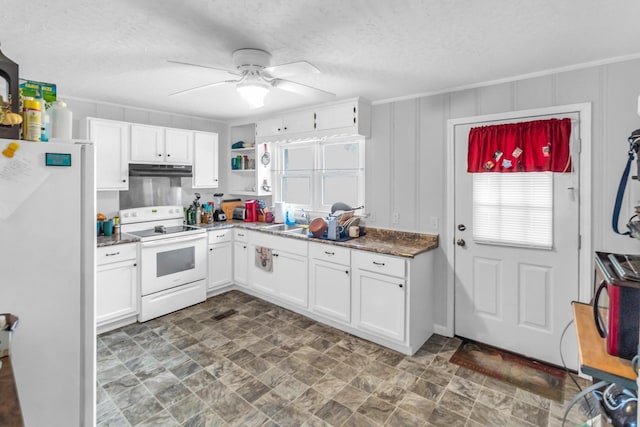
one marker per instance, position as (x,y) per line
(220,257)
(379,304)
(240,257)
(291,276)
(330,281)
(379,294)
(116,286)
(283,274)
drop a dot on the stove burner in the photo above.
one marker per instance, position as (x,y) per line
(160,229)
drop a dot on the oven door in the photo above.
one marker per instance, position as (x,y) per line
(171,262)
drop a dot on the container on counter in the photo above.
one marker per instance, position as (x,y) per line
(45,121)
(31,122)
(61,121)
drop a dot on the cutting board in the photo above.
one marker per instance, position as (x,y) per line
(227,208)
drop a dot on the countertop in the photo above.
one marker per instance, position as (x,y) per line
(118,239)
(379,240)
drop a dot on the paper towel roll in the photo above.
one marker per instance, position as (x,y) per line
(279,212)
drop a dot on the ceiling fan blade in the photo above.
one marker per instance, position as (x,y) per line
(300,89)
(291,69)
(226,70)
(193,89)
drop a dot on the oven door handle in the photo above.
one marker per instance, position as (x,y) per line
(170,241)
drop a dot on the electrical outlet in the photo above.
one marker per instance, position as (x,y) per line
(395,218)
(435,222)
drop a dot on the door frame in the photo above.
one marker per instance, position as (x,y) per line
(585,231)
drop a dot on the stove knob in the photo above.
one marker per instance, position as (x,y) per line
(134,214)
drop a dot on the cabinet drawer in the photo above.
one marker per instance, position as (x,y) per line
(240,235)
(330,253)
(116,253)
(383,264)
(219,236)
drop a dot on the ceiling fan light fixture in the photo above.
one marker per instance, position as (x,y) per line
(254,92)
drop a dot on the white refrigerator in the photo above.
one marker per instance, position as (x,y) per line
(47,276)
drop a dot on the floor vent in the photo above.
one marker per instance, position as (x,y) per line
(225,314)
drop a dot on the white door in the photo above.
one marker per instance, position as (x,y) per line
(517,297)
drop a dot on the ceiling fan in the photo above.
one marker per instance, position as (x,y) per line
(256,76)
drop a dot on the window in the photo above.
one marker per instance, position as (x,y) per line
(513,209)
(314,174)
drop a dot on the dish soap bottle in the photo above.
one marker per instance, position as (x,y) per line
(289,219)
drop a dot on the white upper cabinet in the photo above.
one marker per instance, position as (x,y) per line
(299,122)
(205,160)
(292,123)
(147,144)
(349,117)
(155,144)
(352,117)
(178,145)
(111,139)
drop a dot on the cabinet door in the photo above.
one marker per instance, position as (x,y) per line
(178,146)
(111,141)
(116,291)
(298,122)
(330,290)
(240,262)
(261,280)
(205,160)
(291,277)
(336,116)
(220,265)
(269,127)
(379,304)
(147,144)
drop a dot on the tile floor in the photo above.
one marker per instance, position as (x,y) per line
(267,366)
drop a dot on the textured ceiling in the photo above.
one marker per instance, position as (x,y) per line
(117,50)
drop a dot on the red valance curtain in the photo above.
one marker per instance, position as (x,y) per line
(536,146)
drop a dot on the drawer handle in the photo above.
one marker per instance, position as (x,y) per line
(329,253)
(115,253)
(240,235)
(381,264)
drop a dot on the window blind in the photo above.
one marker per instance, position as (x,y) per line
(514,209)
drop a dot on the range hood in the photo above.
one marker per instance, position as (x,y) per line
(137,169)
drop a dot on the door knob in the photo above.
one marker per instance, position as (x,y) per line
(461,227)
(461,242)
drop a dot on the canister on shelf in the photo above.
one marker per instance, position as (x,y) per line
(32,119)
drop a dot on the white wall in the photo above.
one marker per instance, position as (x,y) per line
(108,201)
(406,163)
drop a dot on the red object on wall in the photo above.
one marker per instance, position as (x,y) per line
(536,146)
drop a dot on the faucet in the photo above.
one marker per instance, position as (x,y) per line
(304,217)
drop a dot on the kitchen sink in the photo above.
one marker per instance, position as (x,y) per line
(298,230)
(284,227)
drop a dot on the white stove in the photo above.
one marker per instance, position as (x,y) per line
(173,263)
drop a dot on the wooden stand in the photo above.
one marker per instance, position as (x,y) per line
(594,359)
